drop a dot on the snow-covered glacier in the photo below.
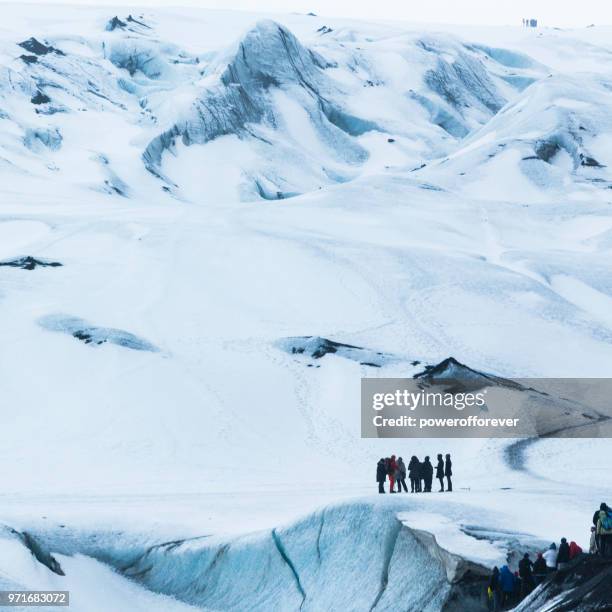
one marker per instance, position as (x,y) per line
(213,224)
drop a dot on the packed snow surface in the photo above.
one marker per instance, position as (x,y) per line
(214,223)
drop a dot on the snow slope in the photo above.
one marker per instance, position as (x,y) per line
(252,212)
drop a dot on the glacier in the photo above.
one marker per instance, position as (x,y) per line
(213,224)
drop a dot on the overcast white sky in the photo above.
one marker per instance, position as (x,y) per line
(549,12)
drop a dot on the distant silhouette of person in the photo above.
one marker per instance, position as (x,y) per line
(414,474)
(593,541)
(563,554)
(391,473)
(421,476)
(574,550)
(604,531)
(507,583)
(603,507)
(448,472)
(440,472)
(495,589)
(381,475)
(539,569)
(550,556)
(427,474)
(526,576)
(400,475)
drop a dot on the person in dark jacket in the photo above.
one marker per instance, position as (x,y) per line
(518,589)
(539,569)
(604,533)
(495,589)
(413,473)
(427,474)
(381,475)
(400,475)
(391,473)
(440,473)
(448,472)
(421,477)
(526,575)
(563,556)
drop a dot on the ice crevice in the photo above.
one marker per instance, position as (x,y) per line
(389,550)
(285,557)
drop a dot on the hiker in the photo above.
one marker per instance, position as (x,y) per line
(413,472)
(563,554)
(602,506)
(427,474)
(550,556)
(506,584)
(381,474)
(527,584)
(494,590)
(422,487)
(593,541)
(391,473)
(440,473)
(448,472)
(518,589)
(539,569)
(604,531)
(400,476)
(574,550)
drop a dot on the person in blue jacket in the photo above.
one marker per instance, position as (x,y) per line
(507,585)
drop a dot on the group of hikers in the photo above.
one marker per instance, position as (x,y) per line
(506,589)
(420,474)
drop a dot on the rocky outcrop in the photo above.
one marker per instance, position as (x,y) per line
(317,347)
(94,335)
(30,263)
(585,585)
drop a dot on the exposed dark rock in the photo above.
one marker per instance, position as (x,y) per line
(586,160)
(585,585)
(320,347)
(316,347)
(91,334)
(115,23)
(462,377)
(140,23)
(325,30)
(34,46)
(41,554)
(40,98)
(28,59)
(546,150)
(30,263)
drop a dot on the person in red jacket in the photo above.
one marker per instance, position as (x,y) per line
(391,473)
(574,550)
